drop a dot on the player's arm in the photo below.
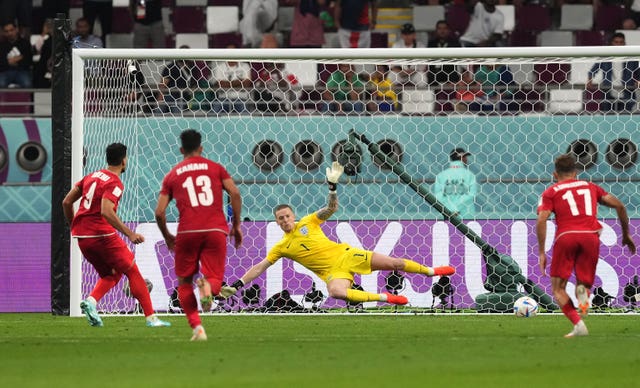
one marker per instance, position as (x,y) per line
(161,220)
(333,175)
(250,275)
(541,233)
(236,207)
(107,209)
(611,201)
(67,203)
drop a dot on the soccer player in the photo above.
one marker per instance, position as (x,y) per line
(196,183)
(577,239)
(95,224)
(335,263)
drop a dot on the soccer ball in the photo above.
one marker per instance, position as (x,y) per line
(525,307)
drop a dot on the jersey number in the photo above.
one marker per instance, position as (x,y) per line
(88,198)
(568,196)
(200,195)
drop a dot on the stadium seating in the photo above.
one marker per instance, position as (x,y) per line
(533,17)
(565,101)
(192,40)
(555,38)
(609,17)
(122,22)
(589,38)
(222,19)
(417,101)
(285,18)
(189,20)
(509,12)
(225,39)
(458,18)
(576,17)
(119,40)
(426,16)
(523,38)
(15,103)
(632,37)
(181,3)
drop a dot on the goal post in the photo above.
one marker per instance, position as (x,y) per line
(276,136)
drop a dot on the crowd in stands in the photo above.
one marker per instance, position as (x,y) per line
(232,87)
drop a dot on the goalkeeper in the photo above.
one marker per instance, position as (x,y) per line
(335,263)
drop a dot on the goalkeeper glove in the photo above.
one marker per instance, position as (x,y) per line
(227,291)
(333,175)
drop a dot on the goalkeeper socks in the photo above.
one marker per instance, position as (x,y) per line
(189,304)
(413,267)
(363,296)
(104,285)
(139,290)
(570,312)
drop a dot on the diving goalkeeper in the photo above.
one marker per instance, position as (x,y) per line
(335,263)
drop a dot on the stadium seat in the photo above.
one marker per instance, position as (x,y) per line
(632,37)
(379,39)
(576,17)
(426,16)
(305,72)
(580,73)
(15,103)
(523,38)
(325,70)
(458,18)
(592,100)
(565,101)
(589,38)
(222,19)
(190,20)
(331,40)
(192,40)
(609,17)
(509,12)
(555,38)
(166,22)
(417,101)
(225,39)
(552,73)
(236,3)
(119,40)
(42,103)
(532,17)
(120,3)
(122,21)
(193,3)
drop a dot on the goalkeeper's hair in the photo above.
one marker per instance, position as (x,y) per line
(565,164)
(191,140)
(280,207)
(116,152)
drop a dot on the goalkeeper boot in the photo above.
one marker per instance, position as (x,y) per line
(154,321)
(206,298)
(89,309)
(583,300)
(579,330)
(199,334)
(396,299)
(445,270)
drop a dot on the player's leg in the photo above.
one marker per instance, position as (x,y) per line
(341,289)
(186,266)
(139,290)
(383,262)
(585,269)
(212,263)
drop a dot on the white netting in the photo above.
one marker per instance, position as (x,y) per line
(279,117)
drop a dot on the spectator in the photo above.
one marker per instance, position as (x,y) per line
(52,8)
(619,81)
(233,81)
(344,90)
(384,98)
(629,24)
(147,26)
(180,84)
(355,19)
(469,95)
(443,74)
(42,48)
(456,186)
(408,74)
(99,9)
(258,17)
(19,13)
(276,89)
(486,25)
(307,30)
(15,59)
(84,38)
(496,81)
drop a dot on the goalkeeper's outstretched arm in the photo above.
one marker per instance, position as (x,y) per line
(250,275)
(333,175)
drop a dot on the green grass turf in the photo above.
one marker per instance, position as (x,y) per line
(40,350)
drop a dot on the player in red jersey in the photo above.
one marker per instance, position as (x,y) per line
(196,184)
(95,224)
(577,239)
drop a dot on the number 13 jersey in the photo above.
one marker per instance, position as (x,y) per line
(196,185)
(88,221)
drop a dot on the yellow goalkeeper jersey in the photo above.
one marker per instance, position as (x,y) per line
(308,245)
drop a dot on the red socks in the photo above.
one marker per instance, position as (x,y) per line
(570,312)
(104,285)
(139,290)
(189,304)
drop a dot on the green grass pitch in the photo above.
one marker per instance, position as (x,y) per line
(40,350)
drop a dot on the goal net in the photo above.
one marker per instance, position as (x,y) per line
(276,118)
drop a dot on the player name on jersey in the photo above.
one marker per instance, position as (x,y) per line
(100,175)
(563,186)
(192,167)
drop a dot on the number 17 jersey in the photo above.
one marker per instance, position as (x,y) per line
(575,204)
(196,185)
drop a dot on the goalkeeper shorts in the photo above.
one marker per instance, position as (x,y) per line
(353,260)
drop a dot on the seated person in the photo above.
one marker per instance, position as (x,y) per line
(469,95)
(408,74)
(276,89)
(486,25)
(344,91)
(443,74)
(15,59)
(384,98)
(496,81)
(233,82)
